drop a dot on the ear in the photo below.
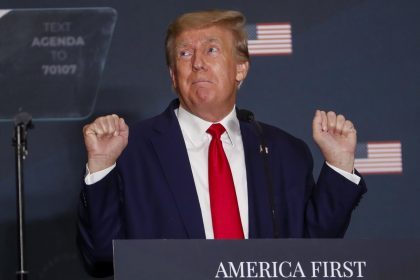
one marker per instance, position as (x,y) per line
(241,71)
(172,74)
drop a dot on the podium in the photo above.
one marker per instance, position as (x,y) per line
(267,259)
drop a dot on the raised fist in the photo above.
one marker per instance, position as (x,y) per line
(336,138)
(105,139)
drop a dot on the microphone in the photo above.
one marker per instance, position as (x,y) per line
(248,116)
(245,115)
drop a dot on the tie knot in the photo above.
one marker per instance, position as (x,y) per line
(215,130)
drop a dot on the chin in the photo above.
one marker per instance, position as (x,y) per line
(204,96)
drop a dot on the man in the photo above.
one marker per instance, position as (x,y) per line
(162,179)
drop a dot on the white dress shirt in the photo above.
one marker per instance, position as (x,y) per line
(197,141)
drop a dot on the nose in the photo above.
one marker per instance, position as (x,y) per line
(198,62)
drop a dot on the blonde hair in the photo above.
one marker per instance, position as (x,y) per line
(232,20)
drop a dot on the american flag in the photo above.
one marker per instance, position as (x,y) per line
(379,157)
(269,39)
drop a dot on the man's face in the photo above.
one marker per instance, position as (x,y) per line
(206,72)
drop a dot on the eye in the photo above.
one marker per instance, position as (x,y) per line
(213,50)
(184,53)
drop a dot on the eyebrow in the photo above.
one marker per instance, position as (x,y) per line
(205,41)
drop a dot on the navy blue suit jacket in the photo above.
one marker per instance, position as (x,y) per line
(151,192)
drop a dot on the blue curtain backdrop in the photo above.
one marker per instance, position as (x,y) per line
(356,57)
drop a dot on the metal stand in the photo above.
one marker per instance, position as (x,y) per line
(23,122)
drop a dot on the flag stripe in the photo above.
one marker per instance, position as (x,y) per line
(257,42)
(377,145)
(373,160)
(272,51)
(381,170)
(380,164)
(377,169)
(272,46)
(382,150)
(390,155)
(263,33)
(276,25)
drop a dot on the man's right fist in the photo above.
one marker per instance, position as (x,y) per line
(105,139)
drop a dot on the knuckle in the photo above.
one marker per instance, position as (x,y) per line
(100,119)
(107,119)
(88,127)
(348,124)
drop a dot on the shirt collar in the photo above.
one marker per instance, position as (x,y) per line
(195,128)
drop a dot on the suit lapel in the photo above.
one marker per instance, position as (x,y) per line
(170,148)
(260,223)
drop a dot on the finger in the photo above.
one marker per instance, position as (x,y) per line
(89,133)
(101,126)
(340,124)
(115,124)
(317,122)
(88,129)
(123,127)
(324,121)
(332,121)
(109,125)
(348,128)
(123,130)
(98,127)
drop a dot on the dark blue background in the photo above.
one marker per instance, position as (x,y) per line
(356,57)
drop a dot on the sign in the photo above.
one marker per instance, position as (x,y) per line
(266,259)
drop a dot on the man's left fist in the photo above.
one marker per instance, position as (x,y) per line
(336,138)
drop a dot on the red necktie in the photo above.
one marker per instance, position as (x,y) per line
(223,203)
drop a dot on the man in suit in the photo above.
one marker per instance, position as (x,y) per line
(162,179)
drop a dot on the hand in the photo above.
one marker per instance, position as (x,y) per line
(105,139)
(336,138)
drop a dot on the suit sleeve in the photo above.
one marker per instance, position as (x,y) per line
(330,202)
(99,222)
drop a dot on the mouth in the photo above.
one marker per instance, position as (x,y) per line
(201,81)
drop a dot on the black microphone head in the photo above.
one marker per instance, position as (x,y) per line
(23,118)
(245,115)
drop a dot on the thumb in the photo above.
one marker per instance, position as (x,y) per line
(89,132)
(123,127)
(317,122)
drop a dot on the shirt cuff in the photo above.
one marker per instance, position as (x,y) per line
(92,178)
(349,176)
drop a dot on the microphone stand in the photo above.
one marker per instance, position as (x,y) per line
(23,122)
(248,117)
